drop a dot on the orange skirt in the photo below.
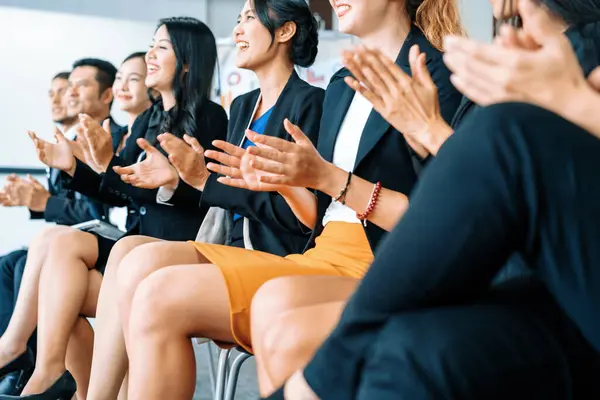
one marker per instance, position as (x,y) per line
(341,250)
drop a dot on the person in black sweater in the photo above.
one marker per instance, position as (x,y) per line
(294,331)
(514,178)
(180,64)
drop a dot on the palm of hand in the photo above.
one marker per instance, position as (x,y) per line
(252,177)
(57,155)
(156,170)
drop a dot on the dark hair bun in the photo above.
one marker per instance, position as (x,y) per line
(305,44)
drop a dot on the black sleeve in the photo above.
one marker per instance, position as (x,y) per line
(214,128)
(112,187)
(87,182)
(270,209)
(66,211)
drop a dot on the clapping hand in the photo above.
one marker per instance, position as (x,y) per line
(409,104)
(235,166)
(151,173)
(57,155)
(187,156)
(98,140)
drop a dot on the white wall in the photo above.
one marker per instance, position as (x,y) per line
(39,44)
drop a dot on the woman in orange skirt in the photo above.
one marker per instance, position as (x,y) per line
(206,290)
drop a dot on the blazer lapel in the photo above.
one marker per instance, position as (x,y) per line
(376,127)
(247,109)
(271,127)
(330,127)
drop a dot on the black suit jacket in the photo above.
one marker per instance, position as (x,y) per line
(273,226)
(68,207)
(383,154)
(145,215)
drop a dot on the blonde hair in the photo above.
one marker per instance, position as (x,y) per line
(436,18)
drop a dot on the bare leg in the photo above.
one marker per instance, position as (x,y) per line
(64,285)
(170,307)
(278,298)
(144,260)
(24,319)
(109,364)
(292,340)
(124,389)
(79,355)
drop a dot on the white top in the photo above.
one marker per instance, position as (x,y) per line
(345,152)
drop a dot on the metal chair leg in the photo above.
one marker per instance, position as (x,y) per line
(234,374)
(211,368)
(221,374)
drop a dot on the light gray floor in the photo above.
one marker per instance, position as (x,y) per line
(247,388)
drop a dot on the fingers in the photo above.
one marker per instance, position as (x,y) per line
(130,170)
(538,21)
(267,154)
(276,143)
(225,170)
(146,146)
(377,101)
(35,183)
(229,148)
(268,166)
(223,158)
(106,125)
(365,65)
(295,132)
(275,180)
(192,141)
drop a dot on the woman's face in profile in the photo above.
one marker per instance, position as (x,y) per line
(161,61)
(252,39)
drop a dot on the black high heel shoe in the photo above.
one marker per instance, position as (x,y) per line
(14,375)
(63,389)
(14,382)
(24,361)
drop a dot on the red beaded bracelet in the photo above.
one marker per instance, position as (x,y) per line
(372,203)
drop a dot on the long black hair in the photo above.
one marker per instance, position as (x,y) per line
(273,14)
(196,52)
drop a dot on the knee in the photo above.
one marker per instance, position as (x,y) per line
(150,308)
(122,248)
(67,243)
(282,342)
(271,300)
(46,236)
(274,297)
(137,264)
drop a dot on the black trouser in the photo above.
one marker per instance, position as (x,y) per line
(513,179)
(12,266)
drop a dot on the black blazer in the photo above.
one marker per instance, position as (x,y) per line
(67,207)
(383,154)
(273,226)
(145,215)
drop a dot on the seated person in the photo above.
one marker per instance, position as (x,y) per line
(425,321)
(180,67)
(215,284)
(287,334)
(270,47)
(94,84)
(57,204)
